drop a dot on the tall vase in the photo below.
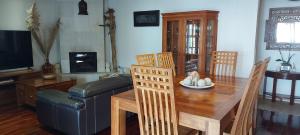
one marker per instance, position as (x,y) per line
(48,70)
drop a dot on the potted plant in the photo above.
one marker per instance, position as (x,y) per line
(285,65)
(45,45)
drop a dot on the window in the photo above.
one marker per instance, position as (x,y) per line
(288,32)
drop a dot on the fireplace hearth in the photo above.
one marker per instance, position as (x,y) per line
(83,62)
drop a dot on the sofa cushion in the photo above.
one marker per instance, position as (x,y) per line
(100,86)
(58,98)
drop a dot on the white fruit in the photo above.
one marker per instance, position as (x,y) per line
(187,81)
(207,81)
(201,83)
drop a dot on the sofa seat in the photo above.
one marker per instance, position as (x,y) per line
(84,110)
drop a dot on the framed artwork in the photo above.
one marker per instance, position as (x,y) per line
(282,29)
(146,18)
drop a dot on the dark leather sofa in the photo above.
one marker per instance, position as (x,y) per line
(84,110)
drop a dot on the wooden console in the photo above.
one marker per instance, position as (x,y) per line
(27,89)
(8,83)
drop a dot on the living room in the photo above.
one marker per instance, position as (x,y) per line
(111,41)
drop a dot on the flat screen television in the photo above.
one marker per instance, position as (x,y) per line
(15,49)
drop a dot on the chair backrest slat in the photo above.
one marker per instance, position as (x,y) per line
(146,60)
(244,118)
(223,63)
(165,60)
(154,94)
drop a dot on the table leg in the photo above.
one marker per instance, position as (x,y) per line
(274,90)
(265,88)
(272,117)
(118,118)
(213,128)
(292,98)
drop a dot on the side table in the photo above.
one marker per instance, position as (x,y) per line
(27,89)
(294,76)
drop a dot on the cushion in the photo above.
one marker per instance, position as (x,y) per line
(100,86)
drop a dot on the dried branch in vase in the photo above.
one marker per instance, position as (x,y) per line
(45,44)
(33,18)
(33,24)
(52,37)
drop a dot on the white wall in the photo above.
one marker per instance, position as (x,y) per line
(283,86)
(237,27)
(13,15)
(81,33)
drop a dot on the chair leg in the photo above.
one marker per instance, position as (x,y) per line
(251,132)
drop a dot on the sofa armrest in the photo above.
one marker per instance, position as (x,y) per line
(58,98)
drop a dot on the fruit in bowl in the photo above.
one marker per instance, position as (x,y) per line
(208,81)
(193,79)
(194,74)
(201,83)
(188,81)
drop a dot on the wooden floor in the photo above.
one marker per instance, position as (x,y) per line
(16,120)
(23,121)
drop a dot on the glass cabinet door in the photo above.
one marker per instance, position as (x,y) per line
(192,45)
(191,37)
(209,44)
(173,40)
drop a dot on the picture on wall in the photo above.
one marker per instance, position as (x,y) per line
(146,18)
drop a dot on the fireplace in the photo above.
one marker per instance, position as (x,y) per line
(82,62)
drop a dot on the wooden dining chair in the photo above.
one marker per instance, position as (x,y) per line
(266,62)
(243,122)
(146,60)
(165,60)
(223,63)
(154,92)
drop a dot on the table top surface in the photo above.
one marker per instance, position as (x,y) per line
(282,72)
(213,102)
(39,82)
(283,75)
(17,73)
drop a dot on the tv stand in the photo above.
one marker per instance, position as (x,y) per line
(8,83)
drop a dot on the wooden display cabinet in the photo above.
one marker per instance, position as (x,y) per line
(191,37)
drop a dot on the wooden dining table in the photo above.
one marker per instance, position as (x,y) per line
(209,110)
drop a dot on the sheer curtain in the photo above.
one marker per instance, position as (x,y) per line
(288,32)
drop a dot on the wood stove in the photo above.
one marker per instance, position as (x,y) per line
(82,62)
